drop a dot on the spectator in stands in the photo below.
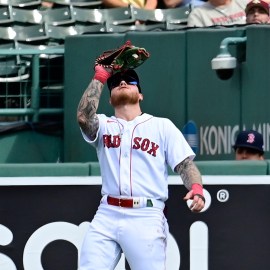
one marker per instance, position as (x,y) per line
(46,4)
(147,4)
(180,3)
(257,11)
(218,12)
(249,146)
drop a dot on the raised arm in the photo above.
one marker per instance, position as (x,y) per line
(87,108)
(193,182)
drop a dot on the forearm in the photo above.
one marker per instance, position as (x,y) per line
(87,108)
(189,173)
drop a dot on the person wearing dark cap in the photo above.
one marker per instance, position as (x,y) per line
(257,11)
(249,145)
(134,150)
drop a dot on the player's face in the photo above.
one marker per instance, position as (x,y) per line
(118,78)
(257,15)
(125,93)
(247,154)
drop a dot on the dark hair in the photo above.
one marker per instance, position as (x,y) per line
(250,139)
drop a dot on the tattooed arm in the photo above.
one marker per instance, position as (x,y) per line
(189,173)
(193,182)
(86,112)
(87,109)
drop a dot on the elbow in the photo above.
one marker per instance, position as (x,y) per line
(81,119)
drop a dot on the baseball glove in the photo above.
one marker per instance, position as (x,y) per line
(123,58)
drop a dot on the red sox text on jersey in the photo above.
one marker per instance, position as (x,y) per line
(113,141)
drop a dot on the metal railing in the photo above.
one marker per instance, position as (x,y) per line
(34,109)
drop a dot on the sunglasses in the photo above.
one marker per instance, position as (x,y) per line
(118,79)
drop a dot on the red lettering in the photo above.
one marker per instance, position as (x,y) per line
(228,19)
(116,141)
(153,150)
(145,144)
(107,141)
(136,144)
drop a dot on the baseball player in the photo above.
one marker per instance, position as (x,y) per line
(134,149)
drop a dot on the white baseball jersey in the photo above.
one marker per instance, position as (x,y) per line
(134,155)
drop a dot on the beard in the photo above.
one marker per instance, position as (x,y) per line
(124,99)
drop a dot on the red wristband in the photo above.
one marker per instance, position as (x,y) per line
(101,74)
(197,189)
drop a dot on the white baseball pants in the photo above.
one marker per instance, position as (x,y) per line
(140,233)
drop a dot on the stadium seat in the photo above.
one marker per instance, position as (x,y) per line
(7,33)
(5,14)
(140,27)
(170,17)
(30,33)
(39,46)
(150,27)
(54,16)
(120,15)
(176,18)
(106,15)
(23,3)
(90,29)
(12,69)
(89,15)
(148,15)
(58,16)
(80,3)
(61,32)
(111,28)
(27,15)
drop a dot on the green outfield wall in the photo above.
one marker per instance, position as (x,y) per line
(216,167)
(177,82)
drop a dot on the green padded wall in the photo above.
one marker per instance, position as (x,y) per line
(216,167)
(43,169)
(178,83)
(30,147)
(256,81)
(95,168)
(235,167)
(211,101)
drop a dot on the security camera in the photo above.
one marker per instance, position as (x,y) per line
(224,66)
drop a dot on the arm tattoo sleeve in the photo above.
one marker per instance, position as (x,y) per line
(87,108)
(189,173)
